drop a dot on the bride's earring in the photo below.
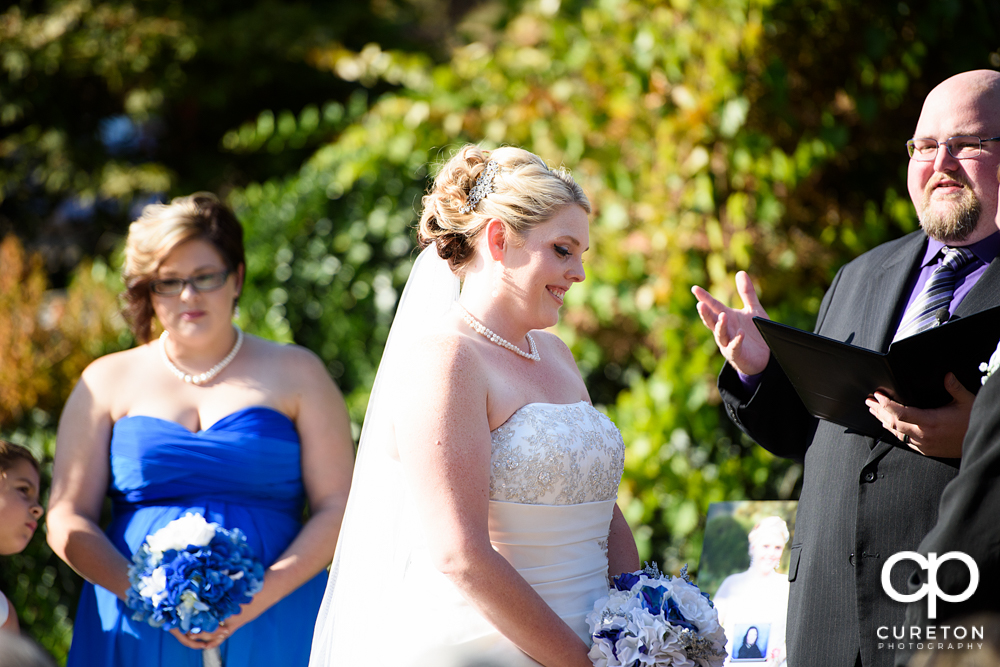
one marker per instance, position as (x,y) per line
(497,253)
(497,278)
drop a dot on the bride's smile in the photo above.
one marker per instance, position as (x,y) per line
(545,265)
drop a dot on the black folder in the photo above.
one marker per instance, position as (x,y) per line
(833,378)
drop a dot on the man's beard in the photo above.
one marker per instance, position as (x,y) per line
(955,224)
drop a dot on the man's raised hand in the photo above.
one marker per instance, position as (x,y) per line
(734,330)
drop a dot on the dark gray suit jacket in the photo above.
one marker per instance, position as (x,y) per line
(863,499)
(968,521)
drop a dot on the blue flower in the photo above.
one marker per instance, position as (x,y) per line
(196,587)
(673,614)
(626,580)
(612,635)
(653,598)
(650,618)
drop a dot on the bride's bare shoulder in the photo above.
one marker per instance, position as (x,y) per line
(549,341)
(444,347)
(552,346)
(445,356)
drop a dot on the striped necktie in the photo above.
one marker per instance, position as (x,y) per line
(937,293)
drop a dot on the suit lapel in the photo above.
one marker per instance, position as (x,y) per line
(888,285)
(985,293)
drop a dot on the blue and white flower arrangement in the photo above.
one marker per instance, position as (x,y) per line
(192,574)
(653,620)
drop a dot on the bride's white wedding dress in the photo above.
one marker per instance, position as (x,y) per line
(553,484)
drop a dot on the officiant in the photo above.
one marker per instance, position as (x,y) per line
(864,498)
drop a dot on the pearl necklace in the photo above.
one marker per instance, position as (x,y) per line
(489,335)
(208,375)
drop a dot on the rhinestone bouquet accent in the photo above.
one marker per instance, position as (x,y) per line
(650,619)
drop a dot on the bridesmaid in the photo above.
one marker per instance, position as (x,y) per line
(202,419)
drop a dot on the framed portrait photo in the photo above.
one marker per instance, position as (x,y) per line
(750,642)
(744,567)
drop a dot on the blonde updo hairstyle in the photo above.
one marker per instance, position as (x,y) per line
(525,194)
(160,229)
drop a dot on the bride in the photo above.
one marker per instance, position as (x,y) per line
(482,520)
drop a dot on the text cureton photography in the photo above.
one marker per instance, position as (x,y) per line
(940,637)
(930,637)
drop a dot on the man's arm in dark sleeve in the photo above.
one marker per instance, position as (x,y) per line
(767,408)
(968,521)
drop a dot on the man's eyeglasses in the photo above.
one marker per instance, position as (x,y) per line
(960,148)
(205,282)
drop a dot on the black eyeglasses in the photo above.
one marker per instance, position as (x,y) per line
(964,147)
(205,282)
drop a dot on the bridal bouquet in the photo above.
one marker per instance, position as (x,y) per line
(192,574)
(651,619)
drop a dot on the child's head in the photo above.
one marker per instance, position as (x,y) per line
(19,508)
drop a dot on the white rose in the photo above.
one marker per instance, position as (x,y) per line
(669,650)
(154,586)
(649,628)
(625,604)
(628,649)
(602,654)
(190,529)
(618,603)
(695,607)
(594,617)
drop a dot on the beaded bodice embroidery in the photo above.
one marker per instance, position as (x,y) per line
(554,454)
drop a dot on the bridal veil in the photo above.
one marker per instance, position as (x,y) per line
(380,533)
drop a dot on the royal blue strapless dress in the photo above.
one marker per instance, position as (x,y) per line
(242,472)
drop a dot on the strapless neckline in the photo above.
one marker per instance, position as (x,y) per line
(542,403)
(556,454)
(219,423)
(244,471)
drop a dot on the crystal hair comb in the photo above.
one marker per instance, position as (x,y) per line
(483,187)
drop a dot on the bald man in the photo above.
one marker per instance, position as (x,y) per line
(864,499)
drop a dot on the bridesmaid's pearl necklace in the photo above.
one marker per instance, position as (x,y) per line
(489,335)
(208,375)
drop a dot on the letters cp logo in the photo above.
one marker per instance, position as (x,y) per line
(930,590)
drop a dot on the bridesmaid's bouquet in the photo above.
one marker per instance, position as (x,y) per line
(653,620)
(192,574)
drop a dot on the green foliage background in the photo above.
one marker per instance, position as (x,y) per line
(711,136)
